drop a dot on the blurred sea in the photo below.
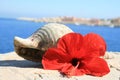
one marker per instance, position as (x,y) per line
(9,28)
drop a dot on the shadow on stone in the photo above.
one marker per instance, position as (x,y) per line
(20,63)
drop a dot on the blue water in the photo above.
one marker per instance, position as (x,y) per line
(9,28)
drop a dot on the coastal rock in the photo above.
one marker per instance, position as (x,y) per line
(35,46)
(14,67)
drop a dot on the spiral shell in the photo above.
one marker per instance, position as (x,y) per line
(33,47)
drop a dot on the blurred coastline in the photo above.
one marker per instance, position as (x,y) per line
(113,22)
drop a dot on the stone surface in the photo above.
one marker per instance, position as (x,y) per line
(13,67)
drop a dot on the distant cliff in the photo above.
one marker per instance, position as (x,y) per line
(78,21)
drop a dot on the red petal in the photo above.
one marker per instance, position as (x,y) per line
(66,68)
(94,42)
(70,70)
(55,59)
(96,66)
(70,42)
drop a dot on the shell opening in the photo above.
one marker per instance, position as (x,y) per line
(24,49)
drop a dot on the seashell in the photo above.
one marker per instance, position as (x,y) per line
(33,47)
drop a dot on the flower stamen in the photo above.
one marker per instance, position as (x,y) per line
(74,61)
(76,64)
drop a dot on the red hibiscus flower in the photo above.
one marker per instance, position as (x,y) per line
(77,55)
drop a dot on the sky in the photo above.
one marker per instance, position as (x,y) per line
(53,8)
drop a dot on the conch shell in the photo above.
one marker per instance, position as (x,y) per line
(33,47)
